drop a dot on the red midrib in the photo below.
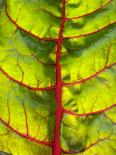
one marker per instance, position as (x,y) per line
(57,146)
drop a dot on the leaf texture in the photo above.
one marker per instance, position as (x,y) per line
(57,77)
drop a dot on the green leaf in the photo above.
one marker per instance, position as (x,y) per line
(4,153)
(57,77)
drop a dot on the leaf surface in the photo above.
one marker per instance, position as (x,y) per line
(57,77)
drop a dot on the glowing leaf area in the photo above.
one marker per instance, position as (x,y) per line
(57,77)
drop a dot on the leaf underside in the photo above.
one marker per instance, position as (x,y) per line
(57,77)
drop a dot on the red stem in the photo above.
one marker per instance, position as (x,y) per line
(57,146)
(57,150)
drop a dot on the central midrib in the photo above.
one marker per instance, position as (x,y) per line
(59,111)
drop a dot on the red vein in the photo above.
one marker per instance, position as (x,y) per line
(57,146)
(107,56)
(23,84)
(87,14)
(89,113)
(25,135)
(26,119)
(43,63)
(109,118)
(90,33)
(8,112)
(50,13)
(8,107)
(81,151)
(90,77)
(20,69)
(26,31)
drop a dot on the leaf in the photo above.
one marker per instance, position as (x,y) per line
(1,3)
(4,153)
(57,77)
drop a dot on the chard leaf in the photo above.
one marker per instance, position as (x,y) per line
(57,77)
